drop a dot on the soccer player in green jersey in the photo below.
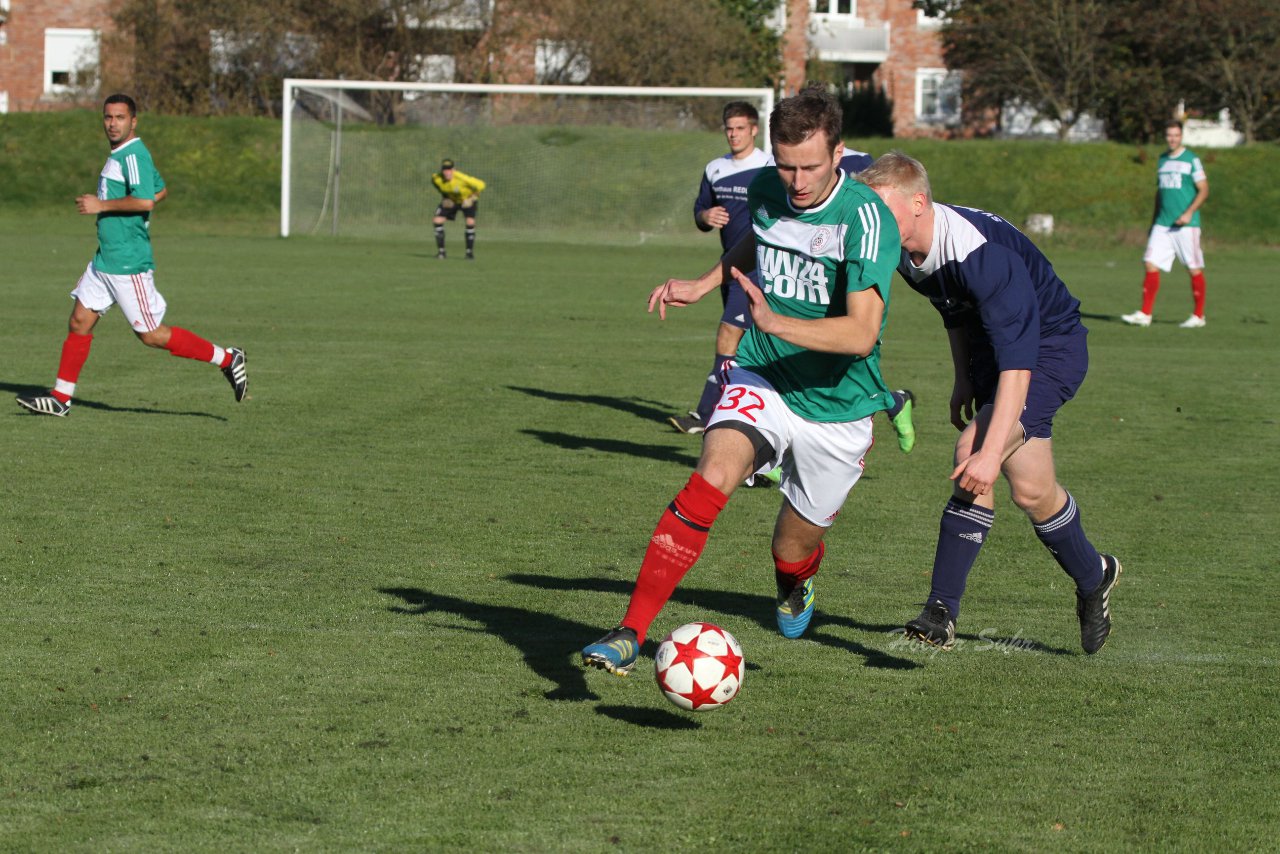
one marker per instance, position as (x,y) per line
(122,271)
(1181,188)
(805,382)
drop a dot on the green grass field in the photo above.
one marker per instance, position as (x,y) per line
(343,615)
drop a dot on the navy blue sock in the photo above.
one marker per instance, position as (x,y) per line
(898,401)
(961,533)
(711,391)
(1063,535)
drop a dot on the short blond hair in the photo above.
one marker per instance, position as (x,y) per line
(900,172)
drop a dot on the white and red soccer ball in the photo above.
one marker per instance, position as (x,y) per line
(699,667)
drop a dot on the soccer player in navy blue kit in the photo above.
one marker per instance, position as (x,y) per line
(1019,353)
(722,204)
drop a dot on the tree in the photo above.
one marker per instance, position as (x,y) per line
(1231,50)
(657,42)
(1041,53)
(189,56)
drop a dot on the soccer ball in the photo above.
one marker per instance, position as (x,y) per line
(699,667)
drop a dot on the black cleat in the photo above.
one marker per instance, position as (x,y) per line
(45,405)
(236,374)
(934,626)
(692,425)
(1094,610)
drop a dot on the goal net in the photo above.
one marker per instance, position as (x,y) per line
(578,164)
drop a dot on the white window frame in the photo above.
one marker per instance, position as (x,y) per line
(942,78)
(83,45)
(830,10)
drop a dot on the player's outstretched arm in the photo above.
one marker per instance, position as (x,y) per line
(681,292)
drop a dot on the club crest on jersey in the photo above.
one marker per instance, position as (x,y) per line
(820,240)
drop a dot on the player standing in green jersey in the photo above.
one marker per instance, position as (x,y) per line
(458,192)
(805,382)
(1181,188)
(123,271)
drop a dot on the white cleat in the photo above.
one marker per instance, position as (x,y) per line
(45,405)
(1195,321)
(1138,318)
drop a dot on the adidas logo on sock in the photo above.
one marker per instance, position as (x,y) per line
(975,537)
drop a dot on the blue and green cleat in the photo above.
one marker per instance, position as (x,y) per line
(795,607)
(616,652)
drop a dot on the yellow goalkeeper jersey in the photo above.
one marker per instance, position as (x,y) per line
(461,188)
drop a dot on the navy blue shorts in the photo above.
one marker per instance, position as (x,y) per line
(737,308)
(1059,372)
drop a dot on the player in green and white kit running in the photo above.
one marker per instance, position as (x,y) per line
(806,379)
(1181,188)
(123,271)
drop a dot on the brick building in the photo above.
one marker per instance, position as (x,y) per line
(876,43)
(49,53)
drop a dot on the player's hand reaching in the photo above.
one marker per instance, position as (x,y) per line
(761,315)
(674,292)
(977,473)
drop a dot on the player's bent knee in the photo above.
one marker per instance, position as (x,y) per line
(157,337)
(1034,500)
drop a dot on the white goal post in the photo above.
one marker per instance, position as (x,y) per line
(356,156)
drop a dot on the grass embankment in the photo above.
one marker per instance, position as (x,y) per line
(225,177)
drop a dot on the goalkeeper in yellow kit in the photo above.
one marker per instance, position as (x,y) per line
(458,191)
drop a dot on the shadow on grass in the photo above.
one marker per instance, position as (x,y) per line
(651,718)
(647,409)
(746,606)
(81,403)
(662,453)
(549,643)
(1109,318)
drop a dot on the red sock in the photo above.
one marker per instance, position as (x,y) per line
(1150,287)
(75,351)
(676,544)
(794,573)
(188,345)
(1197,292)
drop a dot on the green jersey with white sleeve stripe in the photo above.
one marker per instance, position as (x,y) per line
(808,261)
(1176,179)
(124,239)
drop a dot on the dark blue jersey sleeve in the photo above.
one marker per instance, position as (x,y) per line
(706,200)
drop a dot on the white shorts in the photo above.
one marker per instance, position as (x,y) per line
(820,461)
(136,295)
(1166,242)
